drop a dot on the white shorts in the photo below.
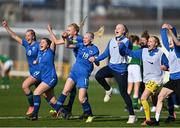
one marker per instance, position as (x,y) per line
(134,73)
(8,64)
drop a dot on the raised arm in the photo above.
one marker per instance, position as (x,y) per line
(176,41)
(53,36)
(12,34)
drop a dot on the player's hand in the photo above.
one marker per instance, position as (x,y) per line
(49,27)
(163,67)
(4,23)
(165,25)
(92,59)
(64,35)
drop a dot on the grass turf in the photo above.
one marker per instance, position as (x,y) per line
(13,105)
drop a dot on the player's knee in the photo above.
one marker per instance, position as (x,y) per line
(65,92)
(82,99)
(98,76)
(160,97)
(36,92)
(25,86)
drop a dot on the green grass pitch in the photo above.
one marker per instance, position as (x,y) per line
(13,105)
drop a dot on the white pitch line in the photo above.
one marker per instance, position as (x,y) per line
(73,117)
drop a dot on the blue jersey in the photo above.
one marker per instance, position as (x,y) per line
(46,67)
(77,40)
(31,54)
(174,55)
(82,68)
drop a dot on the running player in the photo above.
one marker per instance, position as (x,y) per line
(80,72)
(71,36)
(47,73)
(174,61)
(154,60)
(116,68)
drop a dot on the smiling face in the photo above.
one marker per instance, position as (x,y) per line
(43,45)
(30,36)
(71,31)
(119,30)
(152,43)
(87,39)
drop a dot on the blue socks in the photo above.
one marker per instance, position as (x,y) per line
(37,102)
(60,102)
(72,97)
(30,99)
(87,108)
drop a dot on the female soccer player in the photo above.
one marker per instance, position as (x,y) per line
(80,72)
(70,36)
(116,68)
(32,48)
(174,61)
(154,60)
(134,72)
(47,74)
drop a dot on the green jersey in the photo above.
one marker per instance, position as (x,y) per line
(4,58)
(135,60)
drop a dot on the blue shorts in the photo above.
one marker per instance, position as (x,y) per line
(36,75)
(81,80)
(50,81)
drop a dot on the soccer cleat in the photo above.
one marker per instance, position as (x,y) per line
(176,106)
(108,95)
(141,109)
(146,122)
(89,119)
(132,119)
(153,109)
(170,119)
(153,123)
(115,91)
(2,87)
(84,116)
(30,110)
(53,113)
(32,117)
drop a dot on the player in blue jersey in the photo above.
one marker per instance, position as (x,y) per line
(79,75)
(174,61)
(117,68)
(46,72)
(31,49)
(154,62)
(70,36)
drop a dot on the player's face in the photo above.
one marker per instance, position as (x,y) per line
(143,41)
(43,45)
(151,43)
(119,30)
(71,31)
(29,37)
(86,39)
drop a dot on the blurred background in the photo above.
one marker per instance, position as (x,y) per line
(138,15)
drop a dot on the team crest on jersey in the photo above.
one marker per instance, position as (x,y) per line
(90,52)
(33,48)
(29,52)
